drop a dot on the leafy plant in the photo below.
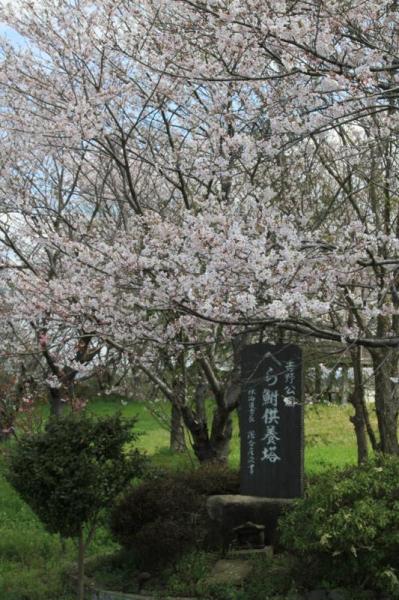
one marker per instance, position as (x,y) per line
(71,472)
(165,516)
(185,579)
(346,530)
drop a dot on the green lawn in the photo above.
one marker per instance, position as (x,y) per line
(31,560)
(329,437)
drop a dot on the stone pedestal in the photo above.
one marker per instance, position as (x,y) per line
(229,511)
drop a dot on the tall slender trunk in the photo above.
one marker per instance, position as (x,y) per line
(318,383)
(385,365)
(177,440)
(330,388)
(357,400)
(344,384)
(81,566)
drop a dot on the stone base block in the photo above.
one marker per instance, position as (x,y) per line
(229,511)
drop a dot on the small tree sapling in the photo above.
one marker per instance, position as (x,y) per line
(72,471)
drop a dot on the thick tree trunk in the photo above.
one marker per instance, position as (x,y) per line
(209,448)
(202,446)
(177,441)
(357,400)
(201,443)
(200,399)
(222,430)
(216,446)
(385,364)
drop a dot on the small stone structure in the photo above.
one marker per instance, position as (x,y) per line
(227,512)
(250,535)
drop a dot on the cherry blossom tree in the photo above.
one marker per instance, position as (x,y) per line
(37,198)
(232,167)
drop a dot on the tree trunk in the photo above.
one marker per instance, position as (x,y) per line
(200,399)
(222,430)
(357,400)
(385,364)
(329,392)
(317,383)
(344,384)
(201,443)
(56,404)
(5,435)
(214,448)
(370,431)
(177,441)
(209,448)
(81,566)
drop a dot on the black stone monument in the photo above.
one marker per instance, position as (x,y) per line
(271,421)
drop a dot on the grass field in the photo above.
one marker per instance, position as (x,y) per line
(329,435)
(31,560)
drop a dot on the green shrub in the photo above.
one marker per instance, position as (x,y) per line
(188,574)
(149,502)
(71,472)
(165,516)
(346,529)
(211,479)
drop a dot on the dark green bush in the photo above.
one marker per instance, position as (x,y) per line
(211,479)
(70,472)
(162,540)
(73,469)
(161,518)
(148,502)
(346,529)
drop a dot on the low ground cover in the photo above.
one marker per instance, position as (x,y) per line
(33,561)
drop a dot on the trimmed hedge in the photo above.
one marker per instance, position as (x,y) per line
(161,518)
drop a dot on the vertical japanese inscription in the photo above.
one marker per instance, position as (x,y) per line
(251,434)
(271,421)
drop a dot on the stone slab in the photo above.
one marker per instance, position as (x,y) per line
(230,510)
(338,594)
(271,421)
(251,552)
(229,572)
(109,595)
(320,594)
